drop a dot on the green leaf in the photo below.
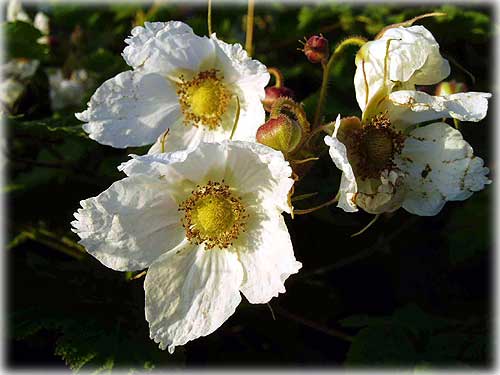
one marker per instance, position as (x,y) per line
(382,345)
(359,321)
(468,231)
(49,129)
(21,38)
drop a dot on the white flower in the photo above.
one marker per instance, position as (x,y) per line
(180,81)
(67,92)
(16,75)
(387,161)
(206,222)
(15,12)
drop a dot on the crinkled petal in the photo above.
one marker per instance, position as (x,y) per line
(247,79)
(234,61)
(258,173)
(190,293)
(131,109)
(183,170)
(413,58)
(441,167)
(130,224)
(266,253)
(168,48)
(412,107)
(348,187)
(187,136)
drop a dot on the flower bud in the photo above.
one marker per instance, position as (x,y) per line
(273,93)
(316,49)
(280,133)
(451,87)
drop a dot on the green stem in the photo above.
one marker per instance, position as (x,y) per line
(353,41)
(278,76)
(315,208)
(53,241)
(209,17)
(249,33)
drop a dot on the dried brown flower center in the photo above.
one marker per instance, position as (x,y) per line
(376,144)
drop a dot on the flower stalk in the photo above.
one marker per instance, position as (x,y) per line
(353,41)
(249,32)
(209,17)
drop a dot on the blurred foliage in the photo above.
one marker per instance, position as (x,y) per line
(410,292)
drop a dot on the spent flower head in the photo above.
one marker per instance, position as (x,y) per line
(387,161)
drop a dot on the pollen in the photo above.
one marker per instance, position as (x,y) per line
(213,216)
(375,146)
(204,99)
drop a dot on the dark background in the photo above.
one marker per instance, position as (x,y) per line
(411,291)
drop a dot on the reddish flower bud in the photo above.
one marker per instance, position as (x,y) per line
(273,93)
(316,49)
(452,87)
(280,133)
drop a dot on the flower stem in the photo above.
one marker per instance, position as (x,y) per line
(236,117)
(312,209)
(372,221)
(278,76)
(316,326)
(353,41)
(209,17)
(249,34)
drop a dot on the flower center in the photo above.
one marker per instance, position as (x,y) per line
(204,99)
(376,144)
(213,216)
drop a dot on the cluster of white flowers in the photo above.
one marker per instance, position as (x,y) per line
(206,216)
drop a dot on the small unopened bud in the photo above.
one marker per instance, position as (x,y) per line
(280,133)
(273,93)
(451,87)
(316,49)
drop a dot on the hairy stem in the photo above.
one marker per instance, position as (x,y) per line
(353,41)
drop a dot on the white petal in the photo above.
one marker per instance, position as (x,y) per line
(41,22)
(234,61)
(247,79)
(258,173)
(168,48)
(182,170)
(187,136)
(131,109)
(190,293)
(130,224)
(266,253)
(348,187)
(413,58)
(15,12)
(385,194)
(252,114)
(441,167)
(412,107)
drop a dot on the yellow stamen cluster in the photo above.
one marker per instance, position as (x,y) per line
(375,146)
(213,216)
(204,99)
